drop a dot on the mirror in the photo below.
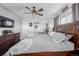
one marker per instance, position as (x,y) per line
(6,22)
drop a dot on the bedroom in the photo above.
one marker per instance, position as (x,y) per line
(39,29)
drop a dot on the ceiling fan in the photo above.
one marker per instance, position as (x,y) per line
(33,11)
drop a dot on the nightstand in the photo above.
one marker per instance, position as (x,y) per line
(76,52)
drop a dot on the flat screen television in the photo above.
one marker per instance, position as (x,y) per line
(6,22)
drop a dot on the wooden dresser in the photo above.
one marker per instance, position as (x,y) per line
(8,41)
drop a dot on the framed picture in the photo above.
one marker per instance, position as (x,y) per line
(30,24)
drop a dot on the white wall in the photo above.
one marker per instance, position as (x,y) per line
(17,20)
(41,26)
(22,25)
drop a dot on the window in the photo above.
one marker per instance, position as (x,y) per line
(69,18)
(62,20)
(66,19)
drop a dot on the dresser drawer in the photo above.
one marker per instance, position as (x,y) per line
(6,42)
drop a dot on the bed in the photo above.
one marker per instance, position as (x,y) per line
(43,45)
(40,43)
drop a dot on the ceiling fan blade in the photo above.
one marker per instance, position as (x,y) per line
(40,10)
(39,14)
(27,13)
(28,8)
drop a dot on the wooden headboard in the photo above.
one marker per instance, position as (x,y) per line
(70,28)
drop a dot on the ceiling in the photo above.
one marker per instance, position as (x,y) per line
(19,8)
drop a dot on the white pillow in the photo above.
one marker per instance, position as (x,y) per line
(69,36)
(58,37)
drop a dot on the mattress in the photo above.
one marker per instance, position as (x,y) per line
(39,43)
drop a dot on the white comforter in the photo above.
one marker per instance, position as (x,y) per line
(39,43)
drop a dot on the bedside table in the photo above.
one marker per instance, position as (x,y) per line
(76,52)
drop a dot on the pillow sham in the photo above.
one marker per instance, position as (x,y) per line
(58,37)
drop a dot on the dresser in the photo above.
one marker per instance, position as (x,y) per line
(8,41)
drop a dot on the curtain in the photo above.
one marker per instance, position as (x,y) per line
(75,11)
(56,20)
(78,12)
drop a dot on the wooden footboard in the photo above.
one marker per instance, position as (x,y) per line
(66,53)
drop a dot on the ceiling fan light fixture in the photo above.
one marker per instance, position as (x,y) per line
(35,12)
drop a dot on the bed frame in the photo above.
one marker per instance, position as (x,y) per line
(65,53)
(70,28)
